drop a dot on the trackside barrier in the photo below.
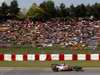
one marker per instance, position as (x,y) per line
(61,57)
(1,57)
(49,57)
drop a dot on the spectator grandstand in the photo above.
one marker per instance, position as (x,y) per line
(51,32)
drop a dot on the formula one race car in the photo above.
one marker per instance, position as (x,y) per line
(65,67)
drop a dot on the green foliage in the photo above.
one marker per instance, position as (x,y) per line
(4,9)
(63,10)
(51,11)
(11,10)
(47,10)
(78,11)
(49,7)
(35,12)
(81,11)
(14,9)
(96,9)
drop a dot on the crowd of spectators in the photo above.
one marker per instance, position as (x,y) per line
(16,32)
(51,32)
(67,32)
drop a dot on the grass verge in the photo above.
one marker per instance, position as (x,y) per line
(46,50)
(47,64)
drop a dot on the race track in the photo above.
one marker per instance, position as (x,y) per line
(13,71)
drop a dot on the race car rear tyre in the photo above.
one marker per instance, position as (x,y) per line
(77,68)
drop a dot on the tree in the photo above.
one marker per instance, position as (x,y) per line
(44,7)
(83,10)
(35,12)
(0,10)
(22,14)
(80,11)
(63,10)
(4,9)
(89,10)
(14,9)
(49,8)
(72,11)
(96,10)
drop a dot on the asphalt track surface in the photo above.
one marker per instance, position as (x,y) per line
(12,71)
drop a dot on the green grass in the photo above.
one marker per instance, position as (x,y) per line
(55,49)
(47,64)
